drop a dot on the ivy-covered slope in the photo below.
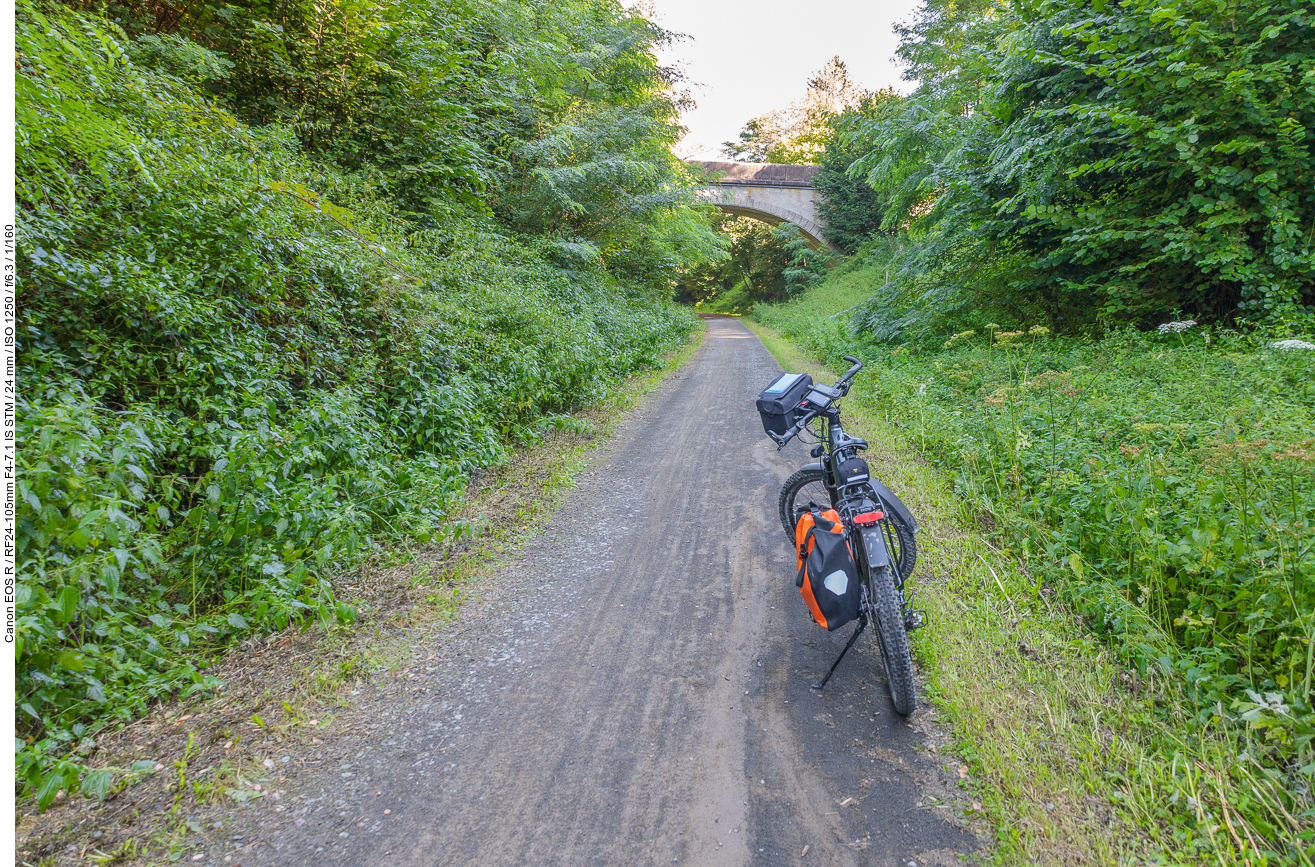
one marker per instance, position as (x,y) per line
(243,367)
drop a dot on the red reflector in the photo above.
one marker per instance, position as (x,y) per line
(869,517)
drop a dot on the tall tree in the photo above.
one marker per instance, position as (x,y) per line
(799,132)
(852,209)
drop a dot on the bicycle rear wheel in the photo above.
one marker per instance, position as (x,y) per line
(903,543)
(887,618)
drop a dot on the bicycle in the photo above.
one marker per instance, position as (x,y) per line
(879,527)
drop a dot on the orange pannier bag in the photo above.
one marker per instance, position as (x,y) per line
(835,581)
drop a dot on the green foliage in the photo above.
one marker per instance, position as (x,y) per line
(849,205)
(805,264)
(597,185)
(762,264)
(1163,482)
(752,271)
(1182,179)
(559,118)
(242,367)
(1087,164)
(178,57)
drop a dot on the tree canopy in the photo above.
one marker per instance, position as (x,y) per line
(1079,163)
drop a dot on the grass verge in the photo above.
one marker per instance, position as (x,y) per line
(1074,759)
(170,776)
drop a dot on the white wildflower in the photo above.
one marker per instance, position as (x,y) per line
(1291,344)
(1177,327)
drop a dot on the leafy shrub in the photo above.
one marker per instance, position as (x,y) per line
(240,371)
(752,268)
(1086,163)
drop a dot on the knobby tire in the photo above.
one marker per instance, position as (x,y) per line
(888,620)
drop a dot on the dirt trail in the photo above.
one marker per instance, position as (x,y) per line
(634,689)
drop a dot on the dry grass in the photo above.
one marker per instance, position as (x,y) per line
(292,693)
(1072,762)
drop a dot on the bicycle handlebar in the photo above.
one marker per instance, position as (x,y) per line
(782,439)
(843,383)
(842,386)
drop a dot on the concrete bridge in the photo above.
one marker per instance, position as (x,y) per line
(772,192)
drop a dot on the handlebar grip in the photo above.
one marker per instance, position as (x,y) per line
(793,431)
(849,374)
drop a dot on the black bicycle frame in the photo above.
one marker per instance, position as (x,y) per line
(871,552)
(840,445)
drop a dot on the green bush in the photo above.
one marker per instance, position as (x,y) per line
(752,270)
(1089,164)
(241,371)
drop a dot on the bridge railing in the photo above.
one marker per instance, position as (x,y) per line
(758,174)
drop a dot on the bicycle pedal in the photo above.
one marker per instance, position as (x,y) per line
(915,619)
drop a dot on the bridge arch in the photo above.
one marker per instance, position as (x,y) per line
(774,193)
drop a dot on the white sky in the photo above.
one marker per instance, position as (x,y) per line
(745,59)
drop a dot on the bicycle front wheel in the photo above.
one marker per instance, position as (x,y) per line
(799,490)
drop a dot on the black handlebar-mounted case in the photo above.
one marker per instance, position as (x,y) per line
(777,402)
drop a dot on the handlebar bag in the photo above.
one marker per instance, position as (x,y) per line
(777,402)
(828,577)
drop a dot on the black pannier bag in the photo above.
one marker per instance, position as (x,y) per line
(777,402)
(828,577)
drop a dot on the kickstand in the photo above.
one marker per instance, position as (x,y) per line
(862,624)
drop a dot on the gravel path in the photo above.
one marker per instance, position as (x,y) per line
(634,689)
